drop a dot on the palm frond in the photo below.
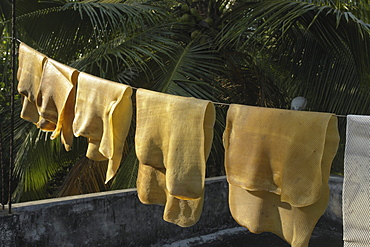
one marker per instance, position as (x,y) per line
(84,25)
(113,14)
(86,176)
(189,72)
(128,52)
(329,83)
(38,159)
(315,44)
(127,173)
(34,166)
(256,52)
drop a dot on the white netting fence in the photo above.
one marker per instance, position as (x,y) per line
(356,186)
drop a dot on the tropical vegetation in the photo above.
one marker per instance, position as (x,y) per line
(261,53)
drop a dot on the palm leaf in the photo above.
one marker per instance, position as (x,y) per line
(266,53)
(189,72)
(66,40)
(87,176)
(315,44)
(128,52)
(38,158)
(127,173)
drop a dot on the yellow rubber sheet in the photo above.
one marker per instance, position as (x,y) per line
(103,114)
(173,140)
(56,100)
(29,73)
(278,166)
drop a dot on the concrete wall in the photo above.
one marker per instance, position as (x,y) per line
(117,218)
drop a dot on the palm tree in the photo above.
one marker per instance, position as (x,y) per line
(317,49)
(248,52)
(125,41)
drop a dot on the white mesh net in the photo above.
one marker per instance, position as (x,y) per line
(356,186)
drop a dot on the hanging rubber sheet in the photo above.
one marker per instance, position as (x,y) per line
(173,140)
(277,164)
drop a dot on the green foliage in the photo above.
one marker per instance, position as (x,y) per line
(261,53)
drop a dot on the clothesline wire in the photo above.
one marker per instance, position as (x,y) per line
(16,39)
(228,104)
(217,103)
